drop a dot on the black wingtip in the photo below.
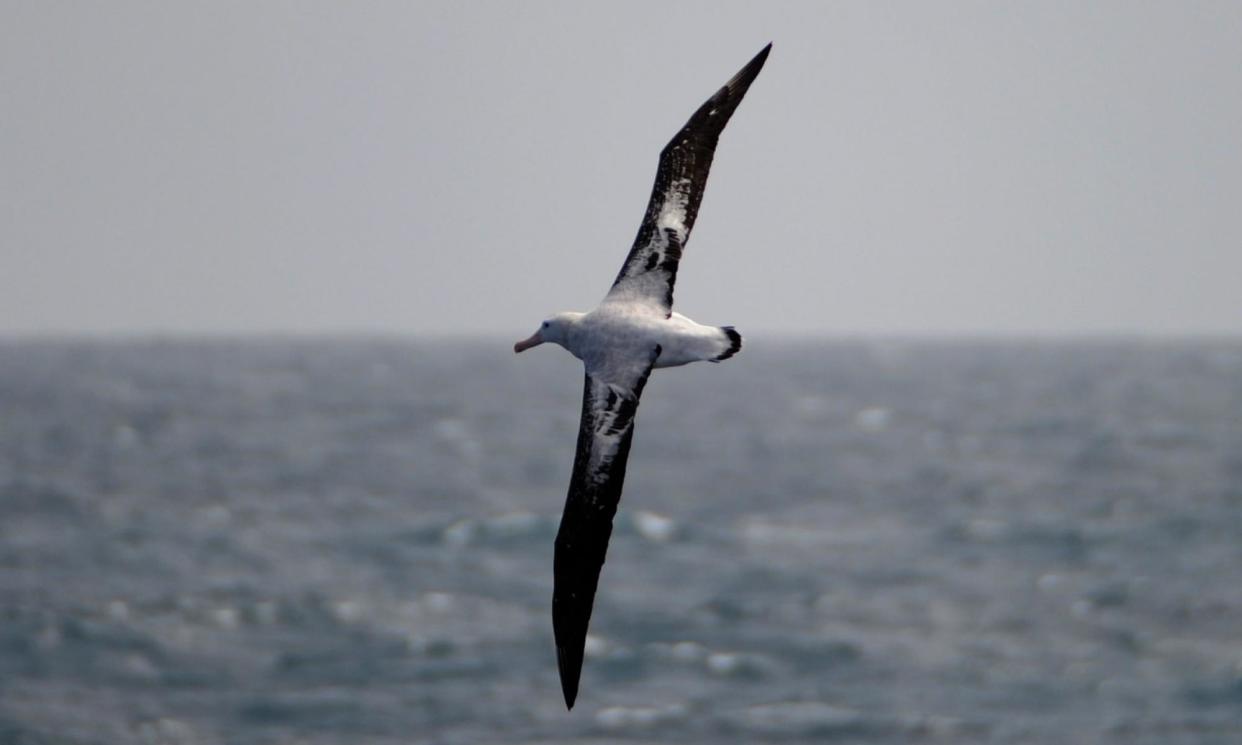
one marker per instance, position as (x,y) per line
(762,56)
(571,670)
(744,77)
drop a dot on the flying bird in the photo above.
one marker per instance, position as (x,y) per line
(632,331)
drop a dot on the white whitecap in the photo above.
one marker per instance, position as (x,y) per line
(873,418)
(654,527)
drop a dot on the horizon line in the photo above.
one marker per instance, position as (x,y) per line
(782,336)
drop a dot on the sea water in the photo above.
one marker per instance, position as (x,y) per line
(350,541)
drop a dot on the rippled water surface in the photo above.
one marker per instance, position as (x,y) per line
(351,542)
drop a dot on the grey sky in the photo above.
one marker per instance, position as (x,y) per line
(433,168)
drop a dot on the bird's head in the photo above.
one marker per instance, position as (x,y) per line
(554,330)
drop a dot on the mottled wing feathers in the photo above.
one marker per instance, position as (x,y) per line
(650,269)
(609,403)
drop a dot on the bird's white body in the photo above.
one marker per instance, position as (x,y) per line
(613,328)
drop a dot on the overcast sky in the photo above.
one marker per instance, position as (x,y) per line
(897,168)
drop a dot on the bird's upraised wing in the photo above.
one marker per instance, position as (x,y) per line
(650,269)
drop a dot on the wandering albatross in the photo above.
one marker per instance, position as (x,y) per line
(632,331)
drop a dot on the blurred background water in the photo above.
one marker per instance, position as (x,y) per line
(318,541)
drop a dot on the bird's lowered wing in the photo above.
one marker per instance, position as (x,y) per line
(650,269)
(609,403)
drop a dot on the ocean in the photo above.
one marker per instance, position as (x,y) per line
(312,541)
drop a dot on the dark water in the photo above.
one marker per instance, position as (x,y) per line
(350,542)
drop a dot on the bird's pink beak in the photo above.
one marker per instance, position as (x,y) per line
(525,344)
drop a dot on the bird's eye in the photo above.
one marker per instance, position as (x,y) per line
(546,324)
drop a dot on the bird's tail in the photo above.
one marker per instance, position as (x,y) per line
(731,340)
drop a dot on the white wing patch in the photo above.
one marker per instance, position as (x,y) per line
(613,408)
(673,211)
(648,273)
